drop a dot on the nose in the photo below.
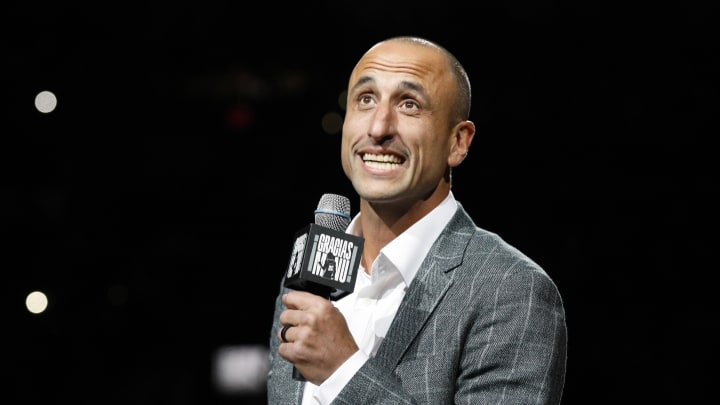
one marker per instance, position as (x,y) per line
(384,122)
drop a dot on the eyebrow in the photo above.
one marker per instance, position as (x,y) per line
(407,85)
(361,81)
(412,86)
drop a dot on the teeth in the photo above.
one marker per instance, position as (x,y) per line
(383,162)
(381,158)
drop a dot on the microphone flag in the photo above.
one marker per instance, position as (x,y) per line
(324,261)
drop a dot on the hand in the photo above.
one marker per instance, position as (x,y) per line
(319,340)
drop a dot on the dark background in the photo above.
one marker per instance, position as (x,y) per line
(157,204)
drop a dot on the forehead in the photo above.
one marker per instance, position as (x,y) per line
(411,61)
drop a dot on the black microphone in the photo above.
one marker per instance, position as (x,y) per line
(324,257)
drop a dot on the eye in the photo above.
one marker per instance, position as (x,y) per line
(410,105)
(365,99)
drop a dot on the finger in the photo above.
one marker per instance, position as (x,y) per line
(299,299)
(290,317)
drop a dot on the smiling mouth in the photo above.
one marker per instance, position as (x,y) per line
(383,162)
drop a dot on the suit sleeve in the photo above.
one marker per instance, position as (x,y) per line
(515,351)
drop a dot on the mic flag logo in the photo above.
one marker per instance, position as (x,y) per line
(324,260)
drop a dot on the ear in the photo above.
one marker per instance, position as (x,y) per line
(463,134)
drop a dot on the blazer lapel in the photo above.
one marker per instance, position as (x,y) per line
(427,288)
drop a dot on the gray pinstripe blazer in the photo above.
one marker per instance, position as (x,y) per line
(481,323)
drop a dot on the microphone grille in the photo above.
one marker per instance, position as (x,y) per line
(333,211)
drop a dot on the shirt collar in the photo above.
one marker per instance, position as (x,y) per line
(407,251)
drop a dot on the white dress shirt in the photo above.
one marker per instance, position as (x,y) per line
(370,309)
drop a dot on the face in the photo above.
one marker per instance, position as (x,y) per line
(398,139)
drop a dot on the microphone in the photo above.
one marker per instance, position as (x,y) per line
(324,257)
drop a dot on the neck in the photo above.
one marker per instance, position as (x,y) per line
(382,222)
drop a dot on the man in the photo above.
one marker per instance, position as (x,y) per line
(443,311)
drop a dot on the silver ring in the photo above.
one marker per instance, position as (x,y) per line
(282,333)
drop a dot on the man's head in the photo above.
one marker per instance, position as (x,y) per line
(406,124)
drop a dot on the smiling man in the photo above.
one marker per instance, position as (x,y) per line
(443,311)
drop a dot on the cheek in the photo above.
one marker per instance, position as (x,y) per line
(345,154)
(439,150)
(437,157)
(350,137)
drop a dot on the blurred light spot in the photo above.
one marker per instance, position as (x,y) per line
(240,116)
(332,123)
(241,369)
(36,302)
(45,101)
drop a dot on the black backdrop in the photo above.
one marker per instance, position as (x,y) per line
(156,205)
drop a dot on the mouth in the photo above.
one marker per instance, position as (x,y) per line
(382,161)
